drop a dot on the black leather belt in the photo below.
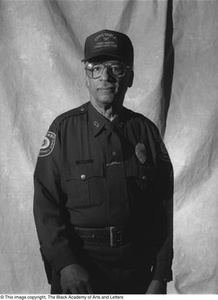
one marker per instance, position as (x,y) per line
(110,236)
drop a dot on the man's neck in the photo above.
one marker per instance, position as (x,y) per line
(109,112)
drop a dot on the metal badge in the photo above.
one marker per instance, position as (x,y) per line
(140,152)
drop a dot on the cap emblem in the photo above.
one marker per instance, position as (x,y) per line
(105,40)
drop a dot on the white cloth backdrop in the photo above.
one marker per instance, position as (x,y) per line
(41,76)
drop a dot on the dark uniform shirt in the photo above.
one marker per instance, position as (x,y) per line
(96,173)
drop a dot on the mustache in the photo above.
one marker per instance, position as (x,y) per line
(106,85)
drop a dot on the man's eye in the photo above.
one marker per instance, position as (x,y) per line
(117,69)
(96,68)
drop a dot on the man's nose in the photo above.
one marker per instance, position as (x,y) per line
(105,74)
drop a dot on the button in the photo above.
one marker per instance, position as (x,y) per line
(83,176)
(114,153)
(143,177)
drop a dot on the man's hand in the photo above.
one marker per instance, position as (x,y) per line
(75,280)
(157,287)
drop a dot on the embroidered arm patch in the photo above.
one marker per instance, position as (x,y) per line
(47,144)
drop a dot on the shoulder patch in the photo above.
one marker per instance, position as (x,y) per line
(47,144)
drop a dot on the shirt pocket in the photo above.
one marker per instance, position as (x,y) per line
(138,173)
(84,184)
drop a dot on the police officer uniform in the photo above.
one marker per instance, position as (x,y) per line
(103,198)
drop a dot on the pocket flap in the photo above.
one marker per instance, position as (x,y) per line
(83,171)
(133,168)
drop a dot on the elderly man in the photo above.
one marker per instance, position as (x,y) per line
(104,185)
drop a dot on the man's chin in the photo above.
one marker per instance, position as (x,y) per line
(106,100)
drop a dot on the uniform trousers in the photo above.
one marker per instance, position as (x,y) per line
(115,270)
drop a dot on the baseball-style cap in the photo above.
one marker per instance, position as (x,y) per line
(109,43)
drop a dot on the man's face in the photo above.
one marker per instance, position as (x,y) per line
(106,83)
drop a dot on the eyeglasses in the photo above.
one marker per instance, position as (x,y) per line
(95,70)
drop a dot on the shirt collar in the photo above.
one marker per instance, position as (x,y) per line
(97,121)
(119,122)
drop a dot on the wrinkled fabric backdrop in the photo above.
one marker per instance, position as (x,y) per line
(176,86)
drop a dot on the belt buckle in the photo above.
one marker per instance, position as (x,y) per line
(115,237)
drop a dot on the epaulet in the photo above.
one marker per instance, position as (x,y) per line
(132,114)
(81,110)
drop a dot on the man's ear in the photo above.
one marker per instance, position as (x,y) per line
(87,82)
(131,77)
